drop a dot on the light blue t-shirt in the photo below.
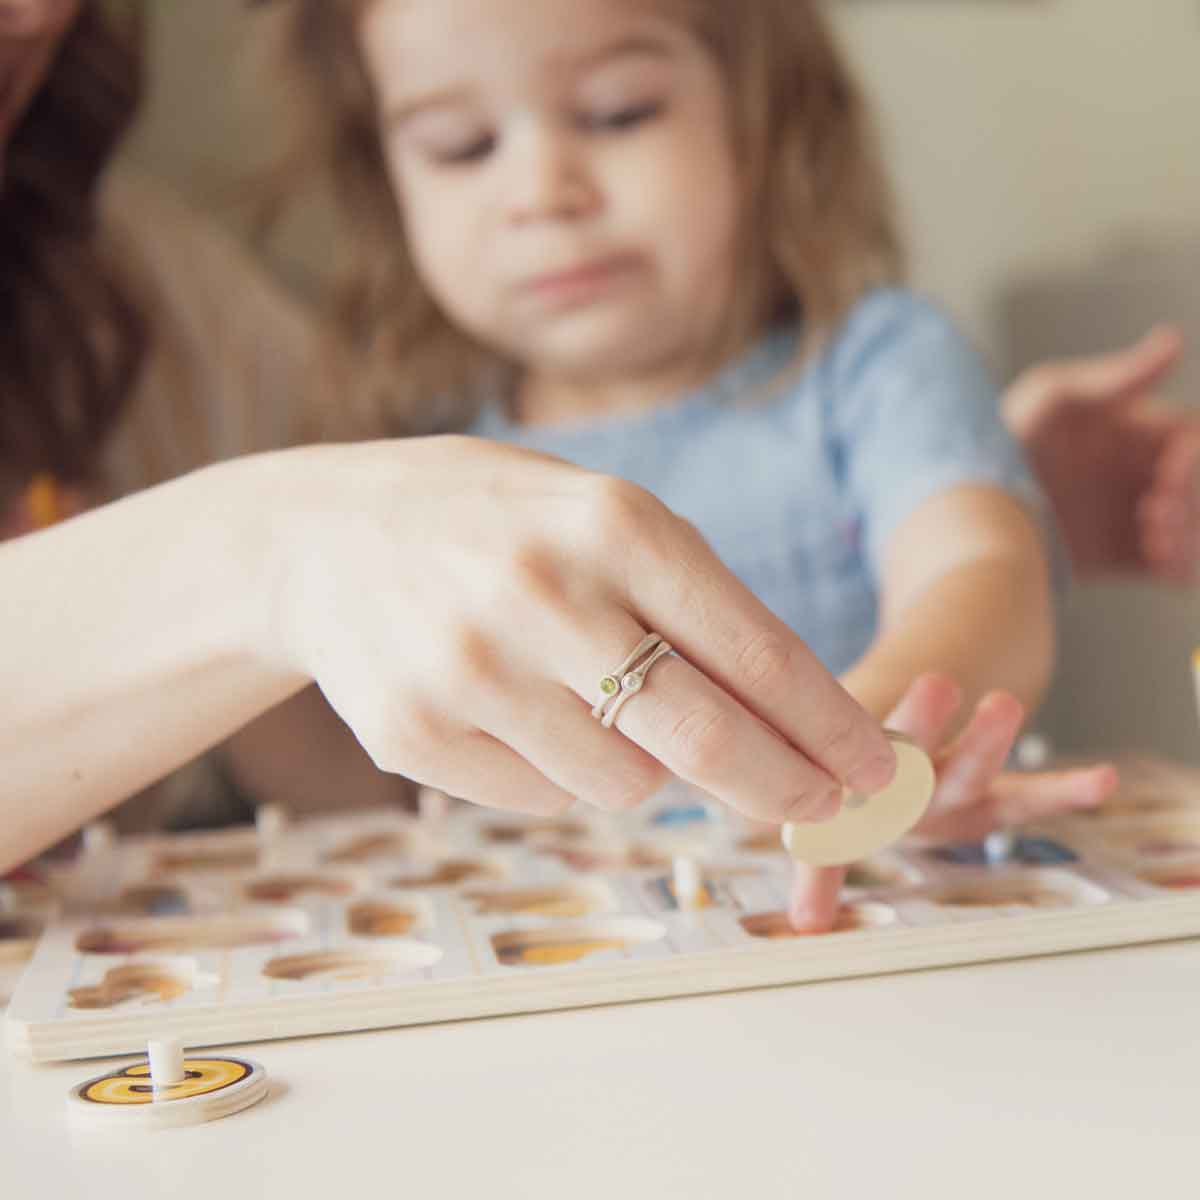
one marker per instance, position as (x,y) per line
(799,494)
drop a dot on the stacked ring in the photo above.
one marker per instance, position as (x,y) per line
(628,679)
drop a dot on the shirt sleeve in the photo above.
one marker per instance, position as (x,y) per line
(914,414)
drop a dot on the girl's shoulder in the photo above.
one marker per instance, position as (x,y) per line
(898,351)
(894,347)
(894,328)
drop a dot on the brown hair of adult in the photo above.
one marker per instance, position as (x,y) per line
(71,339)
(817,229)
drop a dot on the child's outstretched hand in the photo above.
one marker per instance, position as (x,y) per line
(973,795)
(1119,466)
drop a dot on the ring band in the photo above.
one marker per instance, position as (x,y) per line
(610,685)
(627,680)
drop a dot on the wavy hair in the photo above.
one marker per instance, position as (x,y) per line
(71,338)
(817,220)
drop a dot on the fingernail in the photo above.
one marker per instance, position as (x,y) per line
(828,806)
(817,808)
(875,774)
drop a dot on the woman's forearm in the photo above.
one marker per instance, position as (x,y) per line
(134,637)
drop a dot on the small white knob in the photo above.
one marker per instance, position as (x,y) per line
(432,806)
(166,1062)
(688,881)
(270,820)
(1034,752)
(999,846)
(98,837)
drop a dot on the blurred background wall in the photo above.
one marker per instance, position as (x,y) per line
(1047,156)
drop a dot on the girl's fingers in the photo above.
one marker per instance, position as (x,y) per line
(1017,798)
(816,894)
(1020,798)
(926,709)
(978,754)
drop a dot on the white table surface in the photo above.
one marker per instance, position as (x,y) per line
(1076,1076)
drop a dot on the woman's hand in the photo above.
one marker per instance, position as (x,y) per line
(1120,467)
(458,602)
(973,795)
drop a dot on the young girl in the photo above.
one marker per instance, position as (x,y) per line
(653,238)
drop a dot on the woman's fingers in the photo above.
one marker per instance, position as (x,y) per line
(677,720)
(706,737)
(479,768)
(731,638)
(544,578)
(926,710)
(553,730)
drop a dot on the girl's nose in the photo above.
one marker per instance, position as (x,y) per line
(548,179)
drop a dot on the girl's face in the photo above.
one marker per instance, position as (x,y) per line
(565,172)
(30,33)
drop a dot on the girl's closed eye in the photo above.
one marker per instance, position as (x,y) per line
(620,118)
(463,153)
(448,140)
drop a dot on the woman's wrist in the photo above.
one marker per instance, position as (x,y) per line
(262,525)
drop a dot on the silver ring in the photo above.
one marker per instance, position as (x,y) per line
(628,679)
(610,685)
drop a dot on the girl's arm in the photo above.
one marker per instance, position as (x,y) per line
(965,611)
(457,602)
(965,593)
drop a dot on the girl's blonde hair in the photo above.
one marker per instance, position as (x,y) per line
(818,227)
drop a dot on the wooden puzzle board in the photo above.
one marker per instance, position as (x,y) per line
(376,919)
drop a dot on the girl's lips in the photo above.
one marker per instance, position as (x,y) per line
(582,282)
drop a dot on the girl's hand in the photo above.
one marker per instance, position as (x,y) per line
(973,794)
(1119,466)
(458,602)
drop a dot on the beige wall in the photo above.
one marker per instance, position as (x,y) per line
(1047,156)
(1029,135)
(216,124)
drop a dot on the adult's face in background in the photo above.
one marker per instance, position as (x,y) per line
(31,32)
